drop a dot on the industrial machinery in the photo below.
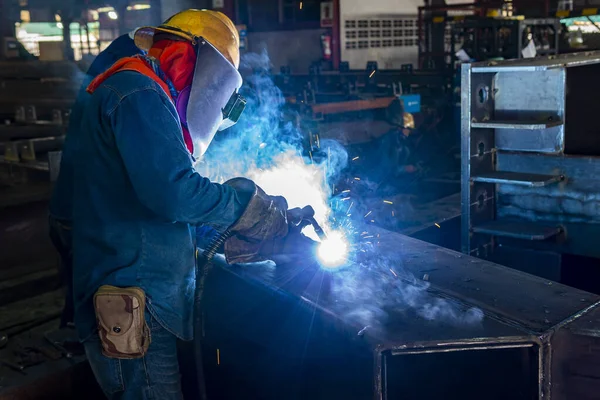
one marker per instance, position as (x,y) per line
(404,320)
(530,155)
(485,38)
(330,86)
(350,105)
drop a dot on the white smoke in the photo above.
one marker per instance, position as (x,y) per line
(265,147)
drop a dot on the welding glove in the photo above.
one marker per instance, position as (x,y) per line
(263,223)
(294,243)
(239,250)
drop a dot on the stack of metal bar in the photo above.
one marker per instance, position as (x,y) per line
(35,99)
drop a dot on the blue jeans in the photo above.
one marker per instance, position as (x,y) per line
(154,376)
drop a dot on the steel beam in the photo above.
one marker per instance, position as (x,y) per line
(403,306)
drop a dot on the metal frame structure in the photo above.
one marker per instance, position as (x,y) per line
(428,15)
(530,157)
(296,331)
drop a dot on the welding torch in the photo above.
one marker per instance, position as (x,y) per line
(298,218)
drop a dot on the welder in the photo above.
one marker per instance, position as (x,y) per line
(396,143)
(60,219)
(138,200)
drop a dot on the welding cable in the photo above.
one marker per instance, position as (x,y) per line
(203,268)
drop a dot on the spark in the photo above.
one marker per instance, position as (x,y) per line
(393,214)
(367,214)
(346,198)
(346,191)
(393,272)
(262,145)
(438,225)
(318,141)
(332,251)
(372,220)
(368,237)
(357,179)
(351,204)
(311,158)
(355,158)
(301,5)
(372,73)
(388,202)
(218,357)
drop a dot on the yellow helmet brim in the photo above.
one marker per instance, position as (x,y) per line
(212,26)
(144,36)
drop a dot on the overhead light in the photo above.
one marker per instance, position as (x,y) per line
(25,16)
(105,9)
(113,15)
(137,7)
(57,18)
(59,25)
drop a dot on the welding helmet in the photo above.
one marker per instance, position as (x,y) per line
(211,103)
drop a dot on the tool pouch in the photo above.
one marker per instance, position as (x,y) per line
(121,325)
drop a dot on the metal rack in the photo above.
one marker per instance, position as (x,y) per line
(530,157)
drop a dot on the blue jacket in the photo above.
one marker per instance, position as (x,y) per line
(61,200)
(136,198)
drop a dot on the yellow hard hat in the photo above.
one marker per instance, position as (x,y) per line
(214,26)
(409,120)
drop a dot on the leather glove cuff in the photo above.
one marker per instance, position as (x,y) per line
(264,217)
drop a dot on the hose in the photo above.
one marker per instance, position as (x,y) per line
(203,268)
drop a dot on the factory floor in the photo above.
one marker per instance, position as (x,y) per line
(31,365)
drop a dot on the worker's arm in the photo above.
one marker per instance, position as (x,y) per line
(150,142)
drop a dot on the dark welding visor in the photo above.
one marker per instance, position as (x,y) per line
(214,103)
(233,110)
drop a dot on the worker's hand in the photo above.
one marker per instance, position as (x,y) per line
(239,251)
(299,218)
(265,216)
(263,221)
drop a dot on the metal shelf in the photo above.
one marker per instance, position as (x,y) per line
(529,125)
(517,178)
(518,230)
